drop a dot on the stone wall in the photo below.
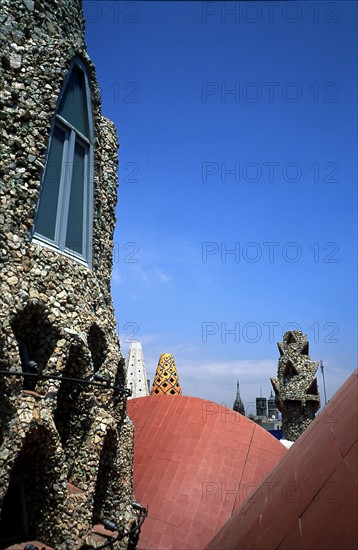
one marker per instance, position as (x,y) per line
(55,434)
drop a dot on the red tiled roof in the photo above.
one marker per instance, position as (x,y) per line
(309,500)
(194,463)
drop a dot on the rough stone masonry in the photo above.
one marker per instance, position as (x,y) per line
(296,390)
(66,448)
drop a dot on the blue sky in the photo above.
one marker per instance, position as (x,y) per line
(237,183)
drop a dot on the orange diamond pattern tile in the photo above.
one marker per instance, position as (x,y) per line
(166,380)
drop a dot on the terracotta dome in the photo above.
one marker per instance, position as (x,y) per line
(194,463)
(309,500)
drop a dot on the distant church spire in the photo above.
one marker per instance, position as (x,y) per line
(238,404)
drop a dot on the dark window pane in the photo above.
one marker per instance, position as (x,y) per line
(74,235)
(46,217)
(73,106)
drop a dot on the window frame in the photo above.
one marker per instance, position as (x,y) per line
(72,136)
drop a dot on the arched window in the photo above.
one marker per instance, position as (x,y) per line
(64,212)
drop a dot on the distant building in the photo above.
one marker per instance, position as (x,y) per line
(238,403)
(267,415)
(261,406)
(271,424)
(136,375)
(273,412)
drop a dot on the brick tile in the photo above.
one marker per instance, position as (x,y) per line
(351,460)
(177,453)
(292,540)
(334,506)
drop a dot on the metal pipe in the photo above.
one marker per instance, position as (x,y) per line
(103,385)
(324,384)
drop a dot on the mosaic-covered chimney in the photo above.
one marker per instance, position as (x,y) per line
(296,390)
(166,379)
(136,372)
(66,442)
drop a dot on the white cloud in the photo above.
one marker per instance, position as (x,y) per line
(162,276)
(140,274)
(116,276)
(216,380)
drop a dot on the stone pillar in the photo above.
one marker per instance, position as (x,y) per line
(296,390)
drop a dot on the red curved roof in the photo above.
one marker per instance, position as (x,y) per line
(194,463)
(309,500)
